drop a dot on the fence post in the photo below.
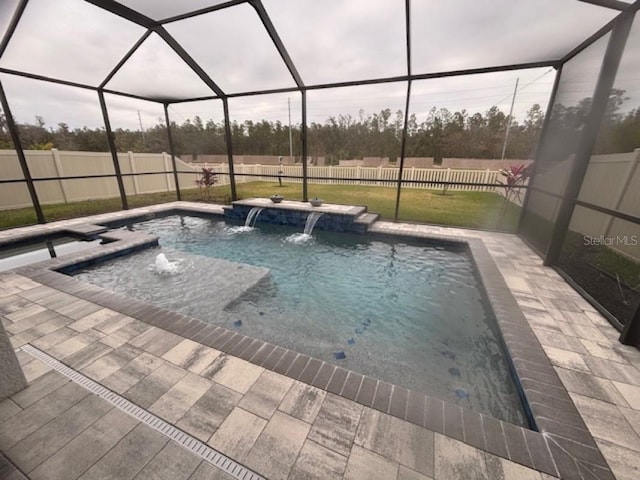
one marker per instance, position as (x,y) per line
(134,170)
(167,166)
(447,178)
(57,163)
(379,175)
(486,180)
(628,176)
(330,174)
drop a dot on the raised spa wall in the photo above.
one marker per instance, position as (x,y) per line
(337,218)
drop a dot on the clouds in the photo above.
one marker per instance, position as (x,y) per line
(70,40)
(329,41)
(233,47)
(463,34)
(337,40)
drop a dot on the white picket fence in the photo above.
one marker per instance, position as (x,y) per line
(372,176)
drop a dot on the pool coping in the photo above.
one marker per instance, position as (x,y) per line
(562,447)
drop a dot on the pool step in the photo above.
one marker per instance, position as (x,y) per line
(86,231)
(365,220)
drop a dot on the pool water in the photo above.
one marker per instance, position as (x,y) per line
(410,313)
(20,256)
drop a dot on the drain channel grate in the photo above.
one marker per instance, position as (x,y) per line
(188,442)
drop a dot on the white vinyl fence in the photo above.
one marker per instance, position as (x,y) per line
(611,181)
(54,164)
(357,175)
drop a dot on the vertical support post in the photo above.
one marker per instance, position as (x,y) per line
(227,134)
(606,79)
(305,191)
(403,145)
(15,137)
(631,331)
(172,151)
(112,148)
(541,140)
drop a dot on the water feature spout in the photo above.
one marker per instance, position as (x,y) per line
(163,265)
(312,219)
(252,216)
(305,237)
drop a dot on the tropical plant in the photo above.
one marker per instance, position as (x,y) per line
(515,178)
(208,178)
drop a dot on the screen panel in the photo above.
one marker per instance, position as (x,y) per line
(602,255)
(263,147)
(333,40)
(355,138)
(16,208)
(463,34)
(69,40)
(557,149)
(156,71)
(613,176)
(159,10)
(200,143)
(233,47)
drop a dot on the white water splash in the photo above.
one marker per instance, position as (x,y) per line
(238,229)
(299,238)
(164,267)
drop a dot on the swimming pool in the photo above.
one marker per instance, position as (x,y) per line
(411,313)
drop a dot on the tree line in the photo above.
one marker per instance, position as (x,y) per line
(441,134)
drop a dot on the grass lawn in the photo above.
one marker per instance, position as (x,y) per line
(465,209)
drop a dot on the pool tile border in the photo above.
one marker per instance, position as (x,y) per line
(563,447)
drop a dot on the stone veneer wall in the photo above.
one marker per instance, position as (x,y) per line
(297,218)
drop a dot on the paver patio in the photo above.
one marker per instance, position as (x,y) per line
(277,426)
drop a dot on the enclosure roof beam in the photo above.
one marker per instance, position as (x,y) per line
(614,4)
(600,33)
(144,21)
(427,76)
(277,41)
(202,11)
(84,86)
(13,24)
(124,59)
(401,78)
(186,58)
(125,12)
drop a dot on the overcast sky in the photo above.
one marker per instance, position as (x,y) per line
(328,40)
